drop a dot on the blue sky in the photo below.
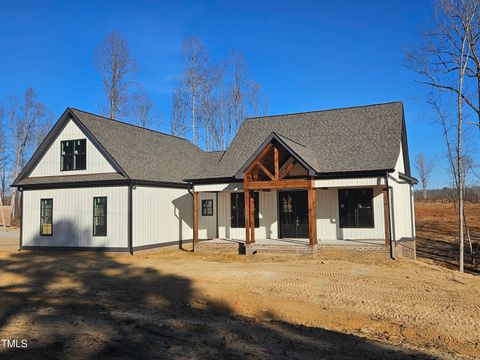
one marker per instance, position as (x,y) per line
(307,55)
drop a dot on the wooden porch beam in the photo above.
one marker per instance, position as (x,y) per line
(275,163)
(312,216)
(252,219)
(278,184)
(265,170)
(287,167)
(258,159)
(195,216)
(247,215)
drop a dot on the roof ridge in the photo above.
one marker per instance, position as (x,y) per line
(294,141)
(324,110)
(133,125)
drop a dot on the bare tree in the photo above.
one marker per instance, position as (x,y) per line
(142,110)
(178,126)
(117,69)
(239,70)
(23,122)
(224,108)
(196,61)
(424,168)
(215,96)
(443,64)
(3,155)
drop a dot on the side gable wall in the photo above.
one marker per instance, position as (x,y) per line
(49,165)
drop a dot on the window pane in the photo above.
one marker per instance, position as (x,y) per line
(356,207)
(80,155)
(237,202)
(73,155)
(100,216)
(46,217)
(207,207)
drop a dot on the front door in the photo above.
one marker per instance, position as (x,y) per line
(293,214)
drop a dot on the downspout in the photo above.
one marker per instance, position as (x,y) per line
(130,219)
(216,212)
(389,216)
(20,190)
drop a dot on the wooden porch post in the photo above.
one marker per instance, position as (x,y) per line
(252,219)
(386,214)
(312,215)
(195,216)
(247,215)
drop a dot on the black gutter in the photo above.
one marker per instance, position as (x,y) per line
(130,219)
(101,183)
(407,178)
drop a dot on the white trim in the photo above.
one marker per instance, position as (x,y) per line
(219,187)
(326,183)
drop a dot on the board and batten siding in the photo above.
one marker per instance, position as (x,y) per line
(49,165)
(402,209)
(161,215)
(73,217)
(207,225)
(328,223)
(267,217)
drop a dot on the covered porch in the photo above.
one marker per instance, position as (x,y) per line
(276,201)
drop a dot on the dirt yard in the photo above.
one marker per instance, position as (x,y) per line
(437,240)
(176,304)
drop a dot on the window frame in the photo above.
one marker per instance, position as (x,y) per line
(207,201)
(74,168)
(94,234)
(42,216)
(241,224)
(355,226)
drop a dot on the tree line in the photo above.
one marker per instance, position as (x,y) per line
(209,103)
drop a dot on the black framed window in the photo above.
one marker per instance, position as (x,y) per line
(46,217)
(207,207)
(237,210)
(73,155)
(100,216)
(356,208)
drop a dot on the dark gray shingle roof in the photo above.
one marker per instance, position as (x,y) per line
(361,138)
(330,141)
(145,154)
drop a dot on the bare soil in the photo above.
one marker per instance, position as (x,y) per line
(176,304)
(437,234)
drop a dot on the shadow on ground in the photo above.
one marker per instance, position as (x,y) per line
(442,249)
(90,306)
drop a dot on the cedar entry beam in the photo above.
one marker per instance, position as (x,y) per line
(275,180)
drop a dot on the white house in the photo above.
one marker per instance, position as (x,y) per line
(327,176)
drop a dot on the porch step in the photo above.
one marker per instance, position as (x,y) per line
(207,247)
(288,249)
